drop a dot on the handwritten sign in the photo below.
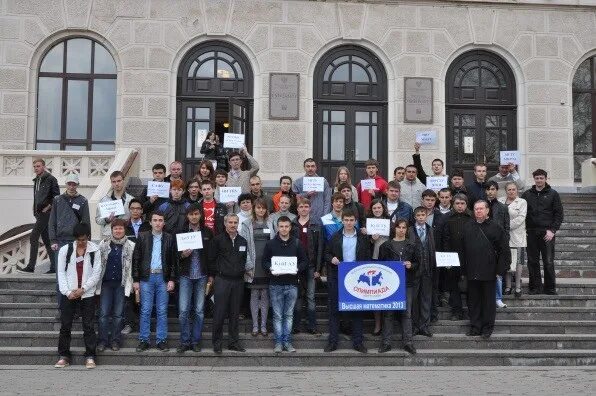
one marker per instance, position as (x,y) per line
(436,183)
(189,240)
(281,265)
(313,184)
(510,157)
(214,163)
(229,194)
(447,259)
(107,208)
(368,184)
(233,140)
(378,226)
(161,189)
(426,137)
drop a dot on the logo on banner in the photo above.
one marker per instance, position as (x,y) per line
(371,282)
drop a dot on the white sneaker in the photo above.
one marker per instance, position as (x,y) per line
(278,348)
(500,304)
(126,329)
(290,348)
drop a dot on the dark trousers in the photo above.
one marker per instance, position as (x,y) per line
(422,304)
(452,277)
(333,305)
(228,295)
(306,294)
(537,247)
(405,318)
(87,307)
(436,294)
(131,312)
(482,305)
(40,229)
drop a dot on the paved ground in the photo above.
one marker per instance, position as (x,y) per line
(114,380)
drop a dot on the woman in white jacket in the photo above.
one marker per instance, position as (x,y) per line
(79,270)
(518,208)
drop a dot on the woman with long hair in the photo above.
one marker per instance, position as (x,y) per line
(343,176)
(205,171)
(210,147)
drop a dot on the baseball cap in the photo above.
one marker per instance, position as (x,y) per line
(72,178)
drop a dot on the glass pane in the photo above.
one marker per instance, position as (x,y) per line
(47,146)
(374,117)
(189,113)
(373,75)
(488,79)
(373,141)
(238,126)
(49,108)
(201,113)
(78,56)
(207,69)
(341,73)
(492,147)
(468,120)
(202,126)
(340,60)
(103,147)
(225,56)
(362,117)
(206,55)
(359,74)
(52,62)
(192,69)
(325,142)
(224,70)
(189,139)
(362,143)
(325,115)
(104,110)
(338,142)
(238,69)
(338,116)
(491,121)
(582,123)
(237,110)
(76,109)
(104,63)
(75,148)
(471,78)
(582,78)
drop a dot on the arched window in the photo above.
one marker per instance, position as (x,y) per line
(584,101)
(76,97)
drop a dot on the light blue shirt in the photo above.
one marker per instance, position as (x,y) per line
(156,252)
(136,226)
(349,246)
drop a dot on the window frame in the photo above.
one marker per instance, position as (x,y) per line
(592,94)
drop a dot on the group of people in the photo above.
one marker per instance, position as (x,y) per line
(486,222)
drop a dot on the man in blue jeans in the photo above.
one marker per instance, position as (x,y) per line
(153,268)
(192,272)
(283,281)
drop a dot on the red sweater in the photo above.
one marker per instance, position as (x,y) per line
(365,198)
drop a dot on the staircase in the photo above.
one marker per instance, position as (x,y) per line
(533,330)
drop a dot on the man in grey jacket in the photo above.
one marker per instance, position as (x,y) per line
(412,188)
(238,177)
(508,173)
(320,202)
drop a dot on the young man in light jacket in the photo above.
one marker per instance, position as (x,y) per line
(79,270)
(118,191)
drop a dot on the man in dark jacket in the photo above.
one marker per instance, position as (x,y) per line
(45,188)
(174,209)
(486,255)
(136,224)
(457,183)
(153,273)
(397,208)
(545,215)
(346,190)
(498,211)
(475,190)
(228,264)
(334,255)
(152,203)
(283,281)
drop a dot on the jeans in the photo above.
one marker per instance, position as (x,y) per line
(306,289)
(41,230)
(69,307)
(191,293)
(499,291)
(154,290)
(283,299)
(537,247)
(111,302)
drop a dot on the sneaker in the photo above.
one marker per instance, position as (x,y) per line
(115,346)
(143,346)
(26,270)
(501,304)
(163,346)
(100,348)
(278,348)
(182,348)
(290,348)
(314,332)
(90,363)
(126,329)
(63,362)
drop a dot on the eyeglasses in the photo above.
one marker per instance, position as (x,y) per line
(136,208)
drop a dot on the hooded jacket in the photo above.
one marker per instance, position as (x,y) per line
(545,210)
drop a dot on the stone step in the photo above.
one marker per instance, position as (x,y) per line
(581,224)
(576,233)
(576,246)
(309,357)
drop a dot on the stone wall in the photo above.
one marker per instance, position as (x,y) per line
(148,39)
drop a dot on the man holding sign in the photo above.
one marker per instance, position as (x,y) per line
(284,257)
(378,187)
(152,202)
(437,165)
(238,177)
(117,194)
(508,173)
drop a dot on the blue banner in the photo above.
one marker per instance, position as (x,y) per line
(372,286)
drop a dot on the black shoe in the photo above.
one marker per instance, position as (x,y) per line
(115,346)
(330,347)
(377,333)
(217,350)
(296,331)
(485,336)
(551,292)
(100,348)
(143,346)
(434,320)
(236,348)
(26,270)
(163,346)
(196,348)
(360,348)
(425,332)
(50,271)
(518,294)
(534,291)
(410,349)
(182,348)
(384,348)
(455,316)
(472,333)
(314,332)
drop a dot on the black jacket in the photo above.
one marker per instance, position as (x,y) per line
(409,253)
(149,207)
(475,191)
(358,210)
(545,210)
(315,242)
(210,152)
(333,248)
(130,231)
(460,190)
(226,258)
(420,173)
(438,222)
(290,248)
(174,214)
(141,258)
(500,214)
(427,260)
(183,268)
(220,212)
(453,232)
(44,196)
(486,250)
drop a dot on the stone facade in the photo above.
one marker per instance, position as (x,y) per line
(543,44)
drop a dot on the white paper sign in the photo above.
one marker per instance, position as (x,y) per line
(510,157)
(368,184)
(229,194)
(189,240)
(233,140)
(214,163)
(281,265)
(436,182)
(200,138)
(109,207)
(161,189)
(468,145)
(378,226)
(313,184)
(426,137)
(447,259)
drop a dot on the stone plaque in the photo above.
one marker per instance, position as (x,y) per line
(284,93)
(418,102)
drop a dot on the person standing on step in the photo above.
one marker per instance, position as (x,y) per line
(285,202)
(175,172)
(476,190)
(238,177)
(153,272)
(78,271)
(213,211)
(412,188)
(115,284)
(174,209)
(283,288)
(320,202)
(45,188)
(518,209)
(150,204)
(118,191)
(285,188)
(445,201)
(508,173)
(256,191)
(545,215)
(354,206)
(372,172)
(437,165)
(397,208)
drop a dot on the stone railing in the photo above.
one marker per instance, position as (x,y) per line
(14,253)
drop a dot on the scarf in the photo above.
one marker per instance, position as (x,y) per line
(127,250)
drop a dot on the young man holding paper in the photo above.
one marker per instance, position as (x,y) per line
(508,173)
(213,211)
(238,177)
(437,165)
(283,280)
(152,202)
(193,280)
(366,195)
(320,202)
(174,209)
(118,192)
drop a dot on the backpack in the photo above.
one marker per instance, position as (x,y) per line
(69,255)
